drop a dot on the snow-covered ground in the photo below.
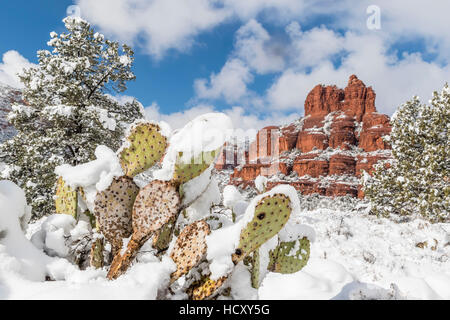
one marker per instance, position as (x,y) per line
(354,256)
(357,256)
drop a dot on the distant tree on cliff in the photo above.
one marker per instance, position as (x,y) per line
(68,111)
(418,178)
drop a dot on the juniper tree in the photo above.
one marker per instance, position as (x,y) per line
(69,109)
(417,180)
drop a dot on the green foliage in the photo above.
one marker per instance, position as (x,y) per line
(255,276)
(271,214)
(68,111)
(417,181)
(289,257)
(145,145)
(163,236)
(188,170)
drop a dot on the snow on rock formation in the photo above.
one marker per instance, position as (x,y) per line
(322,153)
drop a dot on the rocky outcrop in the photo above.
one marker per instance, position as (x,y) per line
(311,140)
(324,152)
(308,165)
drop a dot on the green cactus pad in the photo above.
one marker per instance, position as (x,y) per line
(146,147)
(163,236)
(289,257)
(255,269)
(66,199)
(113,210)
(189,248)
(271,214)
(185,171)
(156,204)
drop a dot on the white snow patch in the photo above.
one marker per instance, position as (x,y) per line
(99,172)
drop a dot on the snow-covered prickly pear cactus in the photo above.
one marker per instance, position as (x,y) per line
(271,214)
(189,248)
(289,257)
(113,209)
(144,146)
(156,204)
(66,199)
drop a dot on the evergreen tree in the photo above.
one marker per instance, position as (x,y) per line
(417,180)
(69,109)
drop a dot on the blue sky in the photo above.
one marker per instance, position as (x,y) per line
(254,60)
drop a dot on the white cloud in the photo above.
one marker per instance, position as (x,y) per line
(313,46)
(273,9)
(394,80)
(310,56)
(241,119)
(229,84)
(253,46)
(159,25)
(13,63)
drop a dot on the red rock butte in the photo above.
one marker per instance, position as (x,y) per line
(324,152)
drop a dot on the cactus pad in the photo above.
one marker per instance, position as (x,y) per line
(146,147)
(206,288)
(185,171)
(163,236)
(271,214)
(113,209)
(156,204)
(289,257)
(66,200)
(189,248)
(255,269)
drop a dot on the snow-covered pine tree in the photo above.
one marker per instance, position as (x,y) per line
(417,180)
(69,109)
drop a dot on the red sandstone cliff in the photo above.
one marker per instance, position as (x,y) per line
(324,152)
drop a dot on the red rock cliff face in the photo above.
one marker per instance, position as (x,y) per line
(324,152)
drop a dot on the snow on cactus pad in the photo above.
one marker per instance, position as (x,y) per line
(156,204)
(66,199)
(199,140)
(187,170)
(222,243)
(113,209)
(290,257)
(145,145)
(270,215)
(190,247)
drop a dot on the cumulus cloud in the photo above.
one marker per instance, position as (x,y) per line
(242,120)
(12,64)
(229,84)
(394,79)
(157,25)
(254,46)
(314,46)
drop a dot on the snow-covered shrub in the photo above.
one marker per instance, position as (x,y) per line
(68,110)
(417,180)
